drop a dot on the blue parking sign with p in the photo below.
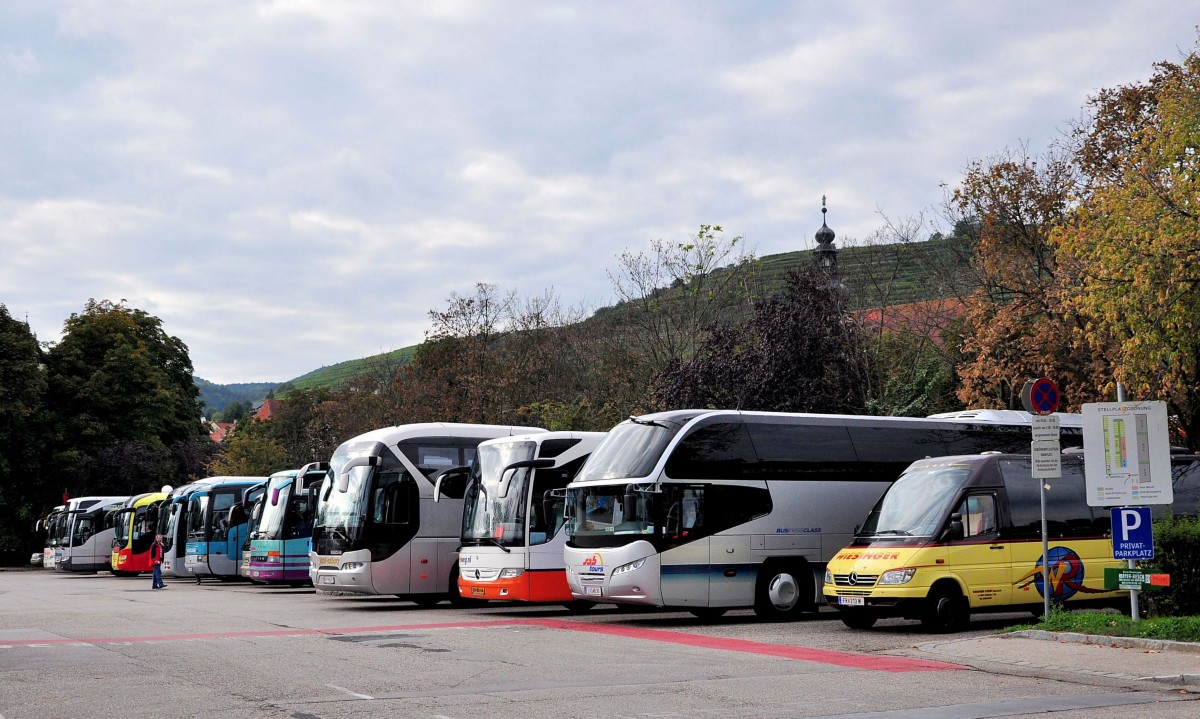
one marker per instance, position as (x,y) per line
(1132,534)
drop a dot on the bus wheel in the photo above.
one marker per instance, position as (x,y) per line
(708,612)
(858,620)
(782,592)
(946,609)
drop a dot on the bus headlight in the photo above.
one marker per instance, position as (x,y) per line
(352,565)
(511,572)
(828,577)
(897,576)
(636,564)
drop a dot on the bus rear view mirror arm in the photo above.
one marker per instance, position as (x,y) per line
(343,480)
(507,475)
(454,473)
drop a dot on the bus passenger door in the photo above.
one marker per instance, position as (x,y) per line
(979,557)
(685,568)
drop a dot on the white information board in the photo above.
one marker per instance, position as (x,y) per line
(1127,453)
(1046,460)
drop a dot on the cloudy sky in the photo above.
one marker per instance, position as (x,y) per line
(294,183)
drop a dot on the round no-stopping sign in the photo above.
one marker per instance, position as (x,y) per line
(1040,396)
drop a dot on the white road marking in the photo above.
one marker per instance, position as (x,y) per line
(342,689)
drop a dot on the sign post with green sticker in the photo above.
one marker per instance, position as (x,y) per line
(1135,579)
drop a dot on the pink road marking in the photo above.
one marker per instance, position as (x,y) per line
(822,656)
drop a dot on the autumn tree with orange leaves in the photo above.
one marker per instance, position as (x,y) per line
(1134,238)
(1016,325)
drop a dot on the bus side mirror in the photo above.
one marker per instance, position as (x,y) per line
(455,481)
(507,475)
(629,503)
(343,478)
(237,515)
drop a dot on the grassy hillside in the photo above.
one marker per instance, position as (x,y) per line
(893,274)
(876,275)
(335,375)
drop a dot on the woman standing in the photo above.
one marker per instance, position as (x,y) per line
(156,558)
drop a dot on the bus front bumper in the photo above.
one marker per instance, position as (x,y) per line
(343,575)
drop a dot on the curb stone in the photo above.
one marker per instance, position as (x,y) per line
(1161,645)
(1189,683)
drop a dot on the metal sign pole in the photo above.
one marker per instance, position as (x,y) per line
(1040,397)
(1045,554)
(1134,614)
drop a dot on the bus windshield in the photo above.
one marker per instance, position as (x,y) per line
(343,514)
(630,450)
(121,524)
(917,504)
(488,516)
(61,528)
(611,515)
(274,507)
(166,523)
(196,506)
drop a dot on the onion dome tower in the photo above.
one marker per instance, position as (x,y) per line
(825,257)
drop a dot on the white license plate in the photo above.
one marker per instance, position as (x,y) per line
(852,601)
(592,590)
(327,580)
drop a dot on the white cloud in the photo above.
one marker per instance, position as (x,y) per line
(292,183)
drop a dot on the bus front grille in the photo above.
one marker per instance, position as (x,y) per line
(855,580)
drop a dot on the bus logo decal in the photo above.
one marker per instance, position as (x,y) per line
(1066,576)
(595,564)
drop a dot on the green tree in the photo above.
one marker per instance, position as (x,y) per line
(236,410)
(669,296)
(799,352)
(250,451)
(24,493)
(304,428)
(117,377)
(1135,237)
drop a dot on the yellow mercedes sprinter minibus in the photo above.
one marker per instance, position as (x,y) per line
(957,535)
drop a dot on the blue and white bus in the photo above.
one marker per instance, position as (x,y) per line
(173,526)
(214,546)
(281,526)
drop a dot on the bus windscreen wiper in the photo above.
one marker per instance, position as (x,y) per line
(494,541)
(646,423)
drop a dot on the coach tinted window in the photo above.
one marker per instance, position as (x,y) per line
(802,451)
(715,451)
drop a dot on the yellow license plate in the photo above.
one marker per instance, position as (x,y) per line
(478,591)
